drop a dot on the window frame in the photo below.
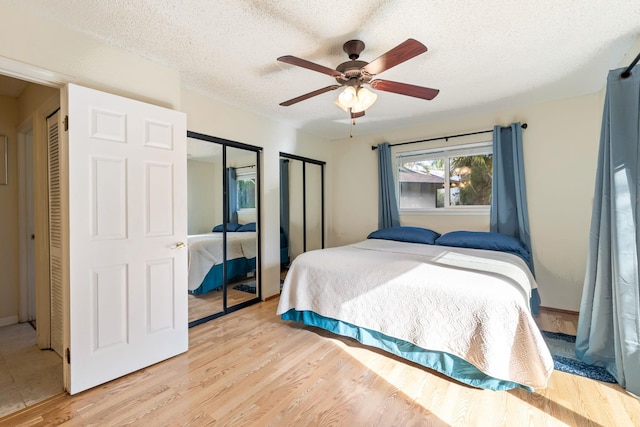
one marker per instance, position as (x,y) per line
(446,153)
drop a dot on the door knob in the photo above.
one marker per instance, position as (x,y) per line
(178,245)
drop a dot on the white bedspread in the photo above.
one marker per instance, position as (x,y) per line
(467,302)
(205,251)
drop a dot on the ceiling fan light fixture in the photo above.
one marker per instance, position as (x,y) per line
(366,98)
(348,98)
(357,108)
(356,99)
(339,104)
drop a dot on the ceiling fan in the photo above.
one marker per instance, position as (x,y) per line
(355,73)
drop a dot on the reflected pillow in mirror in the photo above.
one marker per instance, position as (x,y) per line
(251,226)
(230,227)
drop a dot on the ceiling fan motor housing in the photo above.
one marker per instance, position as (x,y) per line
(352,73)
(352,70)
(353,48)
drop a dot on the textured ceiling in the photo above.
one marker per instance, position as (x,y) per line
(483,55)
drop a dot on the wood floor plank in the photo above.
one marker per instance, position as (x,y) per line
(251,368)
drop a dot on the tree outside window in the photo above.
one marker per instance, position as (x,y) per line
(465,170)
(246,191)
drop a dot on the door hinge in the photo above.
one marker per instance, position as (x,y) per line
(66,122)
(68,354)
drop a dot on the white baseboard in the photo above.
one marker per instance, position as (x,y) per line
(6,321)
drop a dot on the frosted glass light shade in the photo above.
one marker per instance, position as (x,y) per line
(366,98)
(357,108)
(348,97)
(337,102)
(357,100)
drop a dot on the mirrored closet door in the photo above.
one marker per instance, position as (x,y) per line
(301,205)
(223,188)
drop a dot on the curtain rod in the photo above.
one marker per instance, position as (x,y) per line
(374,147)
(626,73)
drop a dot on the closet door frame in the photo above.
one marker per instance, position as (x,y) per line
(226,143)
(322,164)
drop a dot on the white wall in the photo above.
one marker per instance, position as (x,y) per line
(201,196)
(31,98)
(9,285)
(296,216)
(560,152)
(313,208)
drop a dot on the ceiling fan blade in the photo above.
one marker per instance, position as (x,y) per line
(356,115)
(309,65)
(405,89)
(403,52)
(309,95)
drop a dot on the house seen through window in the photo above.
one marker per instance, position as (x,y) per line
(446,179)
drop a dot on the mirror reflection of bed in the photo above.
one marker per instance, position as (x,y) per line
(210,166)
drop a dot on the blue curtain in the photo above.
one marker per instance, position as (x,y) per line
(509,212)
(609,323)
(388,215)
(232,194)
(284,197)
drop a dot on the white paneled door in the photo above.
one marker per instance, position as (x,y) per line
(127,230)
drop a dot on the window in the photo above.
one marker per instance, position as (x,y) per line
(466,171)
(246,190)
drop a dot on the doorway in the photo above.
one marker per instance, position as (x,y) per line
(32,371)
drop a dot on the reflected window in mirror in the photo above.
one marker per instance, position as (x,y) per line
(246,189)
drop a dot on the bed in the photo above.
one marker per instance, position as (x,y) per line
(462,311)
(206,256)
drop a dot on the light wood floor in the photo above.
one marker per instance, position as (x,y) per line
(29,375)
(250,368)
(204,305)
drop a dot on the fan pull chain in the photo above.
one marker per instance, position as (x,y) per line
(353,123)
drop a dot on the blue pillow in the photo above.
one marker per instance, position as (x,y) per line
(486,240)
(406,234)
(247,227)
(230,227)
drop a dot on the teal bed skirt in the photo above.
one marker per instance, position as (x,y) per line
(236,268)
(445,363)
